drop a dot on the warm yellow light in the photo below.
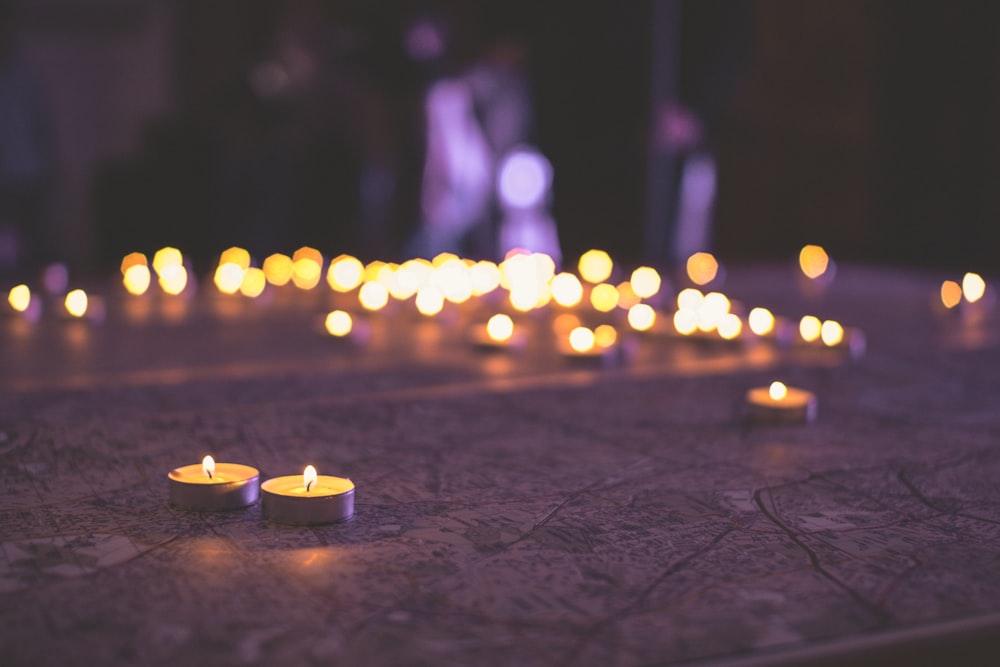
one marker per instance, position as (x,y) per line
(19,298)
(595,266)
(278,269)
(306,252)
(832,333)
(306,272)
(132,259)
(452,279)
(309,477)
(523,296)
(581,339)
(690,299)
(626,295)
(810,328)
(136,279)
(253,283)
(604,297)
(173,279)
(165,257)
(973,287)
(228,278)
(702,268)
(713,308)
(951,293)
(345,273)
(76,303)
(208,466)
(372,270)
(517,269)
(813,260)
(685,321)
(338,323)
(500,327)
(441,258)
(645,282)
(730,326)
(567,289)
(545,267)
(564,323)
(235,255)
(485,276)
(641,317)
(761,321)
(777,391)
(429,300)
(605,336)
(373,296)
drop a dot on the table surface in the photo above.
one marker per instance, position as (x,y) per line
(511,508)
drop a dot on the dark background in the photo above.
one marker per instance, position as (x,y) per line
(868,127)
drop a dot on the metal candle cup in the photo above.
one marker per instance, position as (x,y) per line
(294,500)
(779,404)
(230,486)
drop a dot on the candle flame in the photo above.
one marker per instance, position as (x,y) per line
(581,339)
(500,327)
(208,466)
(777,390)
(309,477)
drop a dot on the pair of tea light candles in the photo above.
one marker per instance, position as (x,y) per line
(306,500)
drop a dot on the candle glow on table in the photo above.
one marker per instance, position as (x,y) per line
(213,486)
(308,499)
(338,323)
(973,287)
(76,303)
(19,298)
(645,282)
(780,404)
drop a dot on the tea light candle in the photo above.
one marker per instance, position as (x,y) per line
(499,333)
(214,486)
(782,405)
(583,347)
(309,499)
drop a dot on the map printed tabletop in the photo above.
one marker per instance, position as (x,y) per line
(511,508)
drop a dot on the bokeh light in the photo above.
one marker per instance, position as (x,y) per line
(777,391)
(373,296)
(685,321)
(136,279)
(604,297)
(605,336)
(430,300)
(253,282)
(133,259)
(567,290)
(641,317)
(761,321)
(165,257)
(702,268)
(810,328)
(595,266)
(173,278)
(813,261)
(973,287)
(345,273)
(236,255)
(730,326)
(19,298)
(485,276)
(228,278)
(951,293)
(76,303)
(500,327)
(689,299)
(338,323)
(832,333)
(278,269)
(582,339)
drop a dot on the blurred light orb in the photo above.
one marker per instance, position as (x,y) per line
(136,279)
(645,281)
(567,290)
(761,321)
(228,278)
(442,258)
(133,259)
(690,299)
(253,283)
(604,297)
(373,296)
(951,293)
(278,269)
(702,268)
(832,333)
(165,257)
(813,261)
(582,339)
(730,326)
(524,296)
(76,303)
(306,272)
(605,336)
(524,179)
(595,266)
(564,323)
(626,295)
(430,300)
(810,328)
(641,317)
(973,287)
(19,297)
(777,391)
(173,278)
(485,277)
(345,273)
(236,255)
(685,321)
(500,327)
(338,323)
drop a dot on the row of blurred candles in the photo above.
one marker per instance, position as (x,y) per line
(530,280)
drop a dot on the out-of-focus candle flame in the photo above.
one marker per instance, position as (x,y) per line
(605,336)
(278,269)
(761,321)
(208,466)
(566,289)
(686,321)
(832,333)
(595,266)
(442,257)
(485,276)
(309,477)
(136,279)
(165,257)
(564,323)
(810,328)
(254,282)
(641,317)
(689,299)
(345,273)
(702,268)
(712,309)
(429,300)
(500,327)
(132,259)
(76,303)
(645,282)
(777,391)
(626,295)
(373,296)
(339,323)
(228,278)
(604,297)
(306,273)
(19,298)
(581,339)
(235,255)
(173,279)
(973,287)
(813,261)
(951,293)
(730,326)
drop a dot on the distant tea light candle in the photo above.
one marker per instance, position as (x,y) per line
(308,499)
(499,333)
(214,486)
(779,404)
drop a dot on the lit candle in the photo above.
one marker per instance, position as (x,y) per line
(779,404)
(309,499)
(214,486)
(583,345)
(499,333)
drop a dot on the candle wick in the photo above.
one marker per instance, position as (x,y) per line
(209,473)
(309,486)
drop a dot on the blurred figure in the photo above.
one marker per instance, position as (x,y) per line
(24,155)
